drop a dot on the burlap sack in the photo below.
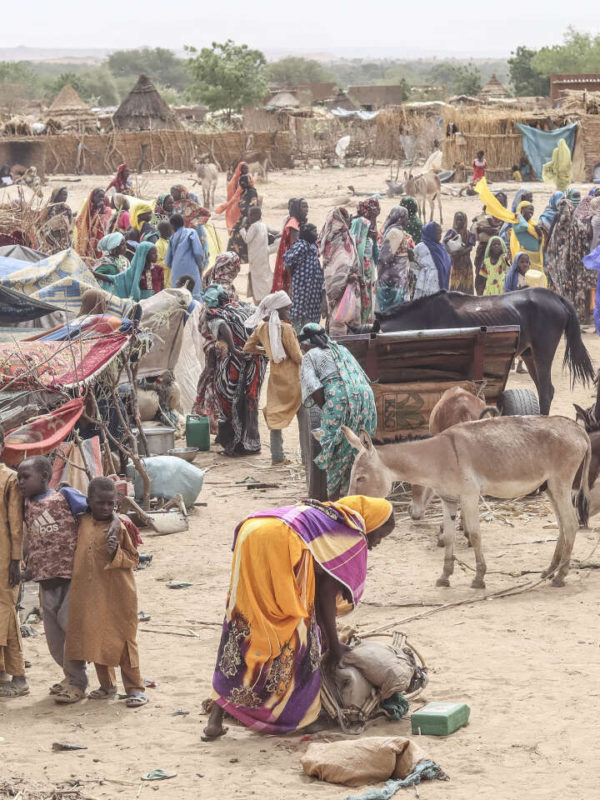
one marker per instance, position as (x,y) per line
(381,666)
(360,761)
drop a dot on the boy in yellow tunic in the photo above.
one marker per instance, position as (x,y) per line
(103,610)
(11,554)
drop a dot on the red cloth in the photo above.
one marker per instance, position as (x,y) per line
(42,434)
(479,168)
(281,277)
(57,364)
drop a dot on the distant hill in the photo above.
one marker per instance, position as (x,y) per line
(58,55)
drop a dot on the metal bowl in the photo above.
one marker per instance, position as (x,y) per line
(187,453)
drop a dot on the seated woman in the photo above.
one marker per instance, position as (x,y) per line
(231,378)
(331,377)
(56,219)
(140,221)
(91,224)
(290,566)
(113,261)
(144,278)
(121,183)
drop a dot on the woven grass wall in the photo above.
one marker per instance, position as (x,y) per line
(152,150)
(590,139)
(394,124)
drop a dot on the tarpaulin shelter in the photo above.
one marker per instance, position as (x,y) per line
(539,145)
(42,434)
(59,280)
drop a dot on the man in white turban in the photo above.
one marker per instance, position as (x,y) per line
(275,337)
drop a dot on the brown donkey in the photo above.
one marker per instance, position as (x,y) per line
(504,457)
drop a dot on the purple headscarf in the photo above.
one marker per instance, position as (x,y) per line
(440,255)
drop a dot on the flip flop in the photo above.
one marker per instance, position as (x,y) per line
(136,700)
(103,694)
(10,690)
(71,694)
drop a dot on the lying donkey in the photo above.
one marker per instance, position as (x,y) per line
(504,457)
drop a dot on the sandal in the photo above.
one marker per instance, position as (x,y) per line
(14,690)
(57,688)
(103,694)
(136,700)
(70,694)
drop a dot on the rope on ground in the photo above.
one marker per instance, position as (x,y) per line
(511,591)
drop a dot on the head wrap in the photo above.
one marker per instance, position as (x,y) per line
(110,242)
(316,334)
(489,246)
(518,198)
(398,216)
(440,255)
(140,208)
(548,215)
(414,225)
(268,307)
(574,196)
(511,281)
(368,208)
(214,295)
(375,511)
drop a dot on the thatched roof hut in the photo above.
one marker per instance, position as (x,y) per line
(493,90)
(71,111)
(144,110)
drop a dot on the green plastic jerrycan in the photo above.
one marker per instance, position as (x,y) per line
(197,432)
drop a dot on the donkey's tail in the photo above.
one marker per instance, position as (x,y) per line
(576,357)
(583,495)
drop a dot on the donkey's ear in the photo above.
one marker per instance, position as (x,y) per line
(365,439)
(352,438)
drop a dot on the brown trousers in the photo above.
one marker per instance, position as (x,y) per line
(11,654)
(131,676)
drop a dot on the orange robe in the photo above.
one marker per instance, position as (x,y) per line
(103,601)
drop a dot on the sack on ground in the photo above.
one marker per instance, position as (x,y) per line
(382,667)
(359,761)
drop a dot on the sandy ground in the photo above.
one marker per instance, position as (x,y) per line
(528,666)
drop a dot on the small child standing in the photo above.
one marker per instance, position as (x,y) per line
(50,528)
(166,231)
(479,167)
(256,235)
(11,553)
(103,613)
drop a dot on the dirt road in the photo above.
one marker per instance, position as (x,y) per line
(528,666)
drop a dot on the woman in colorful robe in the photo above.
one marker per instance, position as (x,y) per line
(121,183)
(341,268)
(364,230)
(91,225)
(296,220)
(234,378)
(332,378)
(393,269)
(268,664)
(462,278)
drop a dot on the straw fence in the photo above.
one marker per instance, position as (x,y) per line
(100,154)
(404,133)
(495,133)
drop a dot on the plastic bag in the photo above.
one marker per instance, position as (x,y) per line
(169,476)
(347,308)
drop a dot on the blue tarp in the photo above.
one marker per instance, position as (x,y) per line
(539,145)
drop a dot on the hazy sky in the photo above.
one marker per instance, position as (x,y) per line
(426,27)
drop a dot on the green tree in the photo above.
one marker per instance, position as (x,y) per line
(97,86)
(160,64)
(579,53)
(458,78)
(526,81)
(291,71)
(227,76)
